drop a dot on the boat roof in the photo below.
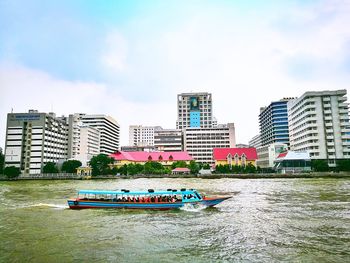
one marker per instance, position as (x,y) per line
(120,192)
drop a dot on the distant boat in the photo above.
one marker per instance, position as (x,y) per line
(151,199)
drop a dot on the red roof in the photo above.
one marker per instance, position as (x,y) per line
(282,154)
(222,153)
(151,156)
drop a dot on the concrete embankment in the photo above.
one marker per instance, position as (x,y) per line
(210,176)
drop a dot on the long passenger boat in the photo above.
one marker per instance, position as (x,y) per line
(151,199)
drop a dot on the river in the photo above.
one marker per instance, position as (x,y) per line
(267,220)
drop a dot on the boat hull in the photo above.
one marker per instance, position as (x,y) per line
(84,204)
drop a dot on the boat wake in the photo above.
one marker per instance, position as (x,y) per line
(49,205)
(193,207)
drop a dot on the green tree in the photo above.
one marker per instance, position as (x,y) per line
(2,161)
(12,171)
(343,165)
(206,166)
(154,168)
(100,164)
(70,166)
(179,164)
(50,168)
(319,165)
(250,168)
(194,167)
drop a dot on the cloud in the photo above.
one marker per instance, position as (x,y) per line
(246,56)
(23,89)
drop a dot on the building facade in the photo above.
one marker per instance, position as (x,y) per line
(255,141)
(200,142)
(168,140)
(194,110)
(34,139)
(89,143)
(267,154)
(319,124)
(273,121)
(235,156)
(107,126)
(142,135)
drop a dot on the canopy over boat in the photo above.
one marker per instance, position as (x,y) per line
(149,192)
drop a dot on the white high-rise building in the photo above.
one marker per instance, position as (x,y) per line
(109,131)
(200,142)
(34,139)
(319,124)
(142,135)
(107,126)
(255,141)
(194,110)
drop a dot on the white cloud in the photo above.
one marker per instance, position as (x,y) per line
(245,59)
(23,89)
(115,52)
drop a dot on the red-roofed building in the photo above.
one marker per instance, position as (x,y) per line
(165,158)
(235,156)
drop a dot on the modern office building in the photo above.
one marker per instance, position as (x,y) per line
(255,141)
(168,140)
(200,142)
(142,135)
(273,121)
(319,124)
(34,139)
(194,110)
(107,126)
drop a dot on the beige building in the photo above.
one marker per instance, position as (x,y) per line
(200,142)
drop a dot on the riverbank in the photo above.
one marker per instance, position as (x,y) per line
(210,176)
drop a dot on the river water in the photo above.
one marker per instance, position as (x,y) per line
(267,220)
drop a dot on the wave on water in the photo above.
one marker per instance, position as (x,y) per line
(193,207)
(49,205)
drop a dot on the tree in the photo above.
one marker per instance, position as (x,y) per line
(71,166)
(319,165)
(206,166)
(50,168)
(194,167)
(179,164)
(343,165)
(250,169)
(12,171)
(2,161)
(154,168)
(100,164)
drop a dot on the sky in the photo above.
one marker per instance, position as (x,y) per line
(129,59)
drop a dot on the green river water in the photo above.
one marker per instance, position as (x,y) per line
(267,220)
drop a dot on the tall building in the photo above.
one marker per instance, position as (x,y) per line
(319,124)
(200,142)
(255,141)
(33,139)
(273,121)
(194,110)
(142,135)
(107,126)
(168,140)
(89,142)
